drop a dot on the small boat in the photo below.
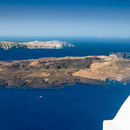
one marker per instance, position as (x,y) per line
(124,84)
(41,96)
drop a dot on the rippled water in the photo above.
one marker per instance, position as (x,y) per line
(71,108)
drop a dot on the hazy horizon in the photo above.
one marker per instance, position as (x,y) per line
(91,18)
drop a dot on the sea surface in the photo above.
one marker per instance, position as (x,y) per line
(76,107)
(72,107)
(83,47)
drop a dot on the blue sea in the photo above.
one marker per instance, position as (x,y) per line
(72,107)
(83,47)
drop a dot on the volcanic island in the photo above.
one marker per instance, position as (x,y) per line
(55,72)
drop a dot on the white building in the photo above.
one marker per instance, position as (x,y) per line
(122,119)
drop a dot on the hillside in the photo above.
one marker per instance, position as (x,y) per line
(108,68)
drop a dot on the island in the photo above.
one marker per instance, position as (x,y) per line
(36,45)
(55,72)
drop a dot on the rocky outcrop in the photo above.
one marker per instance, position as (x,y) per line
(35,45)
(8,45)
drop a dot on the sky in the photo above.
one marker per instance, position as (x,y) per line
(89,18)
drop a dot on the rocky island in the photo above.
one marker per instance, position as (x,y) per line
(35,45)
(55,72)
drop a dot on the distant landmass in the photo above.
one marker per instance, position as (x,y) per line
(55,72)
(35,45)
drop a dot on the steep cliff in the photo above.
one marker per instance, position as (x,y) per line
(8,45)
